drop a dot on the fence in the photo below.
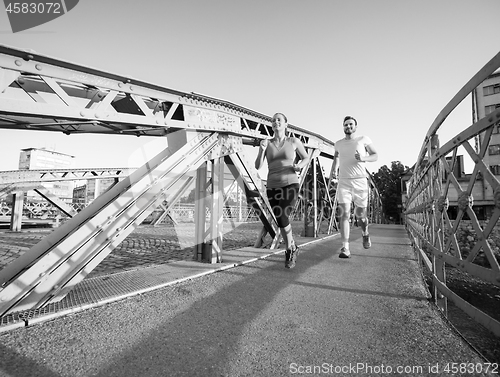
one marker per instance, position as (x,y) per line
(180,213)
(441,216)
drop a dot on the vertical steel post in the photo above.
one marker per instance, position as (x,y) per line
(16,216)
(315,196)
(370,207)
(212,253)
(438,264)
(176,140)
(200,212)
(308,198)
(239,196)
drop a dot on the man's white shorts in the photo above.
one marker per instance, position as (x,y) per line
(353,190)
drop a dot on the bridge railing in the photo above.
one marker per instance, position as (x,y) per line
(452,217)
(182,213)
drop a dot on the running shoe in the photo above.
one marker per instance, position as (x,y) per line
(344,253)
(293,257)
(287,258)
(366,241)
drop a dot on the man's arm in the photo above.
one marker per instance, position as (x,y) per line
(335,166)
(372,154)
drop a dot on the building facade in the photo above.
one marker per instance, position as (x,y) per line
(486,99)
(44,159)
(86,194)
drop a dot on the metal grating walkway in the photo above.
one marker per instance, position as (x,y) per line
(104,289)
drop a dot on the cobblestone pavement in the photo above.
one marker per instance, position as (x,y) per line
(145,246)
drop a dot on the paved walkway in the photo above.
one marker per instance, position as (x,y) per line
(365,316)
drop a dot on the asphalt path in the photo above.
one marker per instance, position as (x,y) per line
(369,315)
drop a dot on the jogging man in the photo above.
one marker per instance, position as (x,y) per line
(351,153)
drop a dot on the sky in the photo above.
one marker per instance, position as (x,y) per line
(391,64)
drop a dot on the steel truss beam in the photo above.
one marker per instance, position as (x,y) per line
(52,267)
(204,135)
(19,181)
(308,189)
(54,175)
(254,190)
(53,199)
(25,180)
(42,93)
(324,201)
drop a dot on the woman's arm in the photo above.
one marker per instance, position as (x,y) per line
(301,152)
(259,161)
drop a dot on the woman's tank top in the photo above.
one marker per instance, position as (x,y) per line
(280,164)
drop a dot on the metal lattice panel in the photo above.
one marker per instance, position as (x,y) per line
(436,182)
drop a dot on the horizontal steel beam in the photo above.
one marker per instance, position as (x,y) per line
(53,175)
(42,93)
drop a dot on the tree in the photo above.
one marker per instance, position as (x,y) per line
(388,182)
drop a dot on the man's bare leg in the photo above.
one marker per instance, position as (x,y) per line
(345,228)
(362,219)
(361,214)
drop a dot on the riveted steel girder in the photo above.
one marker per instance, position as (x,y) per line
(43,93)
(24,180)
(52,267)
(249,182)
(54,175)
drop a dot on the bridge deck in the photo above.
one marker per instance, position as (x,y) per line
(259,319)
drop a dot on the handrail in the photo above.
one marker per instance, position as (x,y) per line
(487,70)
(465,242)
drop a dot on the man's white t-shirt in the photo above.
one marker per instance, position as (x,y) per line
(349,167)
